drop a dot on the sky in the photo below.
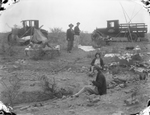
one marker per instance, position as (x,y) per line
(91,14)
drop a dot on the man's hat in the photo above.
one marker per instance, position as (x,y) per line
(78,22)
(98,53)
(70,25)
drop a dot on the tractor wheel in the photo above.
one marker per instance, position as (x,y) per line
(133,37)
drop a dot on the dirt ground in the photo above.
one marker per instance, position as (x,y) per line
(70,71)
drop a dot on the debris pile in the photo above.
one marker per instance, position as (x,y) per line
(20,61)
(131,101)
(125,59)
(118,81)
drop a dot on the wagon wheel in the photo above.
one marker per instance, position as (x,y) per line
(95,40)
(12,40)
(133,37)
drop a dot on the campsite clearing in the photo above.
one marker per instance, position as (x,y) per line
(69,71)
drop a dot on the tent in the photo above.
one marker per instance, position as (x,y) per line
(38,37)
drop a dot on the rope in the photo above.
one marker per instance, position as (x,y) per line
(123,12)
(133,11)
(24,33)
(8,25)
(134,15)
(126,20)
(132,18)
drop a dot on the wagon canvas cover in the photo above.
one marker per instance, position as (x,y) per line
(38,36)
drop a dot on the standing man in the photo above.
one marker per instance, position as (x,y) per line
(70,38)
(77,34)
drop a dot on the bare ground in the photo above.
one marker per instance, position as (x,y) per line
(70,72)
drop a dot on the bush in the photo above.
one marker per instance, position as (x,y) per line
(57,35)
(37,54)
(5,49)
(90,55)
(13,95)
(9,95)
(85,38)
(50,85)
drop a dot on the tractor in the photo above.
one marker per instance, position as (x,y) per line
(16,35)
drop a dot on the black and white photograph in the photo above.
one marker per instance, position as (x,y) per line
(74,57)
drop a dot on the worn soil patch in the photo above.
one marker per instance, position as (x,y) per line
(70,72)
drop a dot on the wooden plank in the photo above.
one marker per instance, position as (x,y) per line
(139,26)
(133,29)
(133,26)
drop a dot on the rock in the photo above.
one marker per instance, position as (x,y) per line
(118,87)
(131,101)
(122,85)
(90,104)
(128,101)
(119,113)
(26,107)
(111,85)
(119,80)
(69,69)
(63,97)
(95,100)
(72,111)
(63,79)
(128,91)
(26,114)
(38,105)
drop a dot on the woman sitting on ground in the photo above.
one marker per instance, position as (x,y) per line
(98,87)
(97,62)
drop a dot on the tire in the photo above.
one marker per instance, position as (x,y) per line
(12,40)
(132,38)
(9,39)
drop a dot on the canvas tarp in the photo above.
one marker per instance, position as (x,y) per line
(86,48)
(38,36)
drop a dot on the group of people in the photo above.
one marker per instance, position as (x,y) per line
(73,35)
(98,86)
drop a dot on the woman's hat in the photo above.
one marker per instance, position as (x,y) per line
(70,25)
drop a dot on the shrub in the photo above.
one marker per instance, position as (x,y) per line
(57,35)
(90,55)
(37,54)
(5,49)
(85,38)
(50,85)
(11,91)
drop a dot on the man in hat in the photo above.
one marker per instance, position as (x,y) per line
(70,38)
(77,34)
